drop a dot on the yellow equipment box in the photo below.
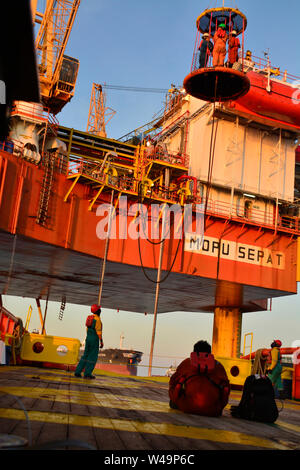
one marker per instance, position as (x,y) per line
(237,369)
(54,349)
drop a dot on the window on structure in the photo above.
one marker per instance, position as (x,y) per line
(247,209)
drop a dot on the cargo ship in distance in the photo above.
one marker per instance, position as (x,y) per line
(118,360)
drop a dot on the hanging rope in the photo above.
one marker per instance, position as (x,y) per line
(163,238)
(259,365)
(213,137)
(144,270)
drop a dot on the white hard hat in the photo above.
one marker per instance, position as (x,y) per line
(205,35)
(233,32)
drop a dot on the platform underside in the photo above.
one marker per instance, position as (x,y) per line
(33,269)
(51,409)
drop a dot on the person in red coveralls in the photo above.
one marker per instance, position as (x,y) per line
(233,48)
(219,51)
(200,384)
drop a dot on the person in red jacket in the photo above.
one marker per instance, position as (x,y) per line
(233,48)
(200,384)
(219,51)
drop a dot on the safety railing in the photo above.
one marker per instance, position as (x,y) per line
(59,160)
(106,175)
(8,325)
(196,61)
(174,193)
(240,212)
(173,101)
(180,193)
(12,146)
(35,112)
(260,64)
(174,158)
(248,62)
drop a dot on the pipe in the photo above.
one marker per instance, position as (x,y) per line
(156,301)
(40,314)
(193,178)
(106,248)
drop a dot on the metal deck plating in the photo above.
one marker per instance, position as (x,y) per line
(53,409)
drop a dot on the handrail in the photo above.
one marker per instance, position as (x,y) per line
(34,111)
(12,146)
(175,158)
(264,64)
(223,209)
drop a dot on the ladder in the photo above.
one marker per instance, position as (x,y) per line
(47,184)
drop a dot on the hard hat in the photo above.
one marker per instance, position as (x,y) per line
(222,25)
(205,35)
(95,308)
(278,343)
(233,32)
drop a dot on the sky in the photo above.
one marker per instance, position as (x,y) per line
(149,44)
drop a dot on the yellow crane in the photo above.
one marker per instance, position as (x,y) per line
(57,71)
(99,113)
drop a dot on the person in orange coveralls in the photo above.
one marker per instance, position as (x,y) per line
(233,48)
(200,384)
(219,52)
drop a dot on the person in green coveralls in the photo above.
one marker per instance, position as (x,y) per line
(92,342)
(275,368)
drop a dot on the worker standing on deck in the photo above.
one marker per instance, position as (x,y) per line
(92,342)
(205,48)
(219,51)
(233,48)
(275,368)
(200,384)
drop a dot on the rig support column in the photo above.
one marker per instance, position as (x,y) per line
(227,320)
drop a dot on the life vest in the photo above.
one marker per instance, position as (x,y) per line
(200,385)
(271,359)
(89,321)
(220,37)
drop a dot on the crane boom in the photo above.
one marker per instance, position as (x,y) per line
(99,113)
(58,72)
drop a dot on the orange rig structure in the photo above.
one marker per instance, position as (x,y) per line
(228,158)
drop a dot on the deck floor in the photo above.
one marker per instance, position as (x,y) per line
(51,409)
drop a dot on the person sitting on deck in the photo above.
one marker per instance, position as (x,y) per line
(205,48)
(200,384)
(219,51)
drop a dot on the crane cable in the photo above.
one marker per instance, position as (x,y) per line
(155,243)
(132,88)
(169,270)
(211,153)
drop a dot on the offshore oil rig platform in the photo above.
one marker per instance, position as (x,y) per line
(196,211)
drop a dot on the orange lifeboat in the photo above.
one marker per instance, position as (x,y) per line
(272,99)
